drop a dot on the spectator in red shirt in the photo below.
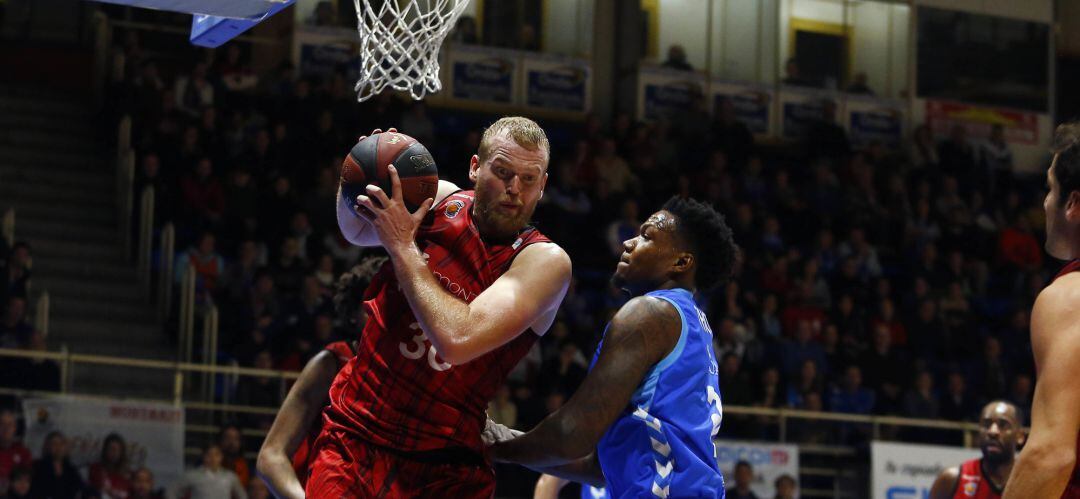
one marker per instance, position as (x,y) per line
(204,198)
(1019,247)
(110,476)
(13,454)
(887,317)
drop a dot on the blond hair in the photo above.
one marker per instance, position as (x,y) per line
(525,132)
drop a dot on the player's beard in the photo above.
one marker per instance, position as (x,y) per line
(494,222)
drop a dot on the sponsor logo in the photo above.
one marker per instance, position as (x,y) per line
(453,208)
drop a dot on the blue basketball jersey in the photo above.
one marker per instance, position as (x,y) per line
(661,446)
(590,492)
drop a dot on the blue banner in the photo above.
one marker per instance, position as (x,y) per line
(751,108)
(489,79)
(325,59)
(876,125)
(564,88)
(798,116)
(665,99)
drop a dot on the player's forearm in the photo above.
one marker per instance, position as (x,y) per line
(275,469)
(550,444)
(1041,471)
(443,317)
(585,470)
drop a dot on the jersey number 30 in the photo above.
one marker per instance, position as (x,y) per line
(419,347)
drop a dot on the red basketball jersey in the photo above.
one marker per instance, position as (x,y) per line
(397,392)
(1072,490)
(303,456)
(973,484)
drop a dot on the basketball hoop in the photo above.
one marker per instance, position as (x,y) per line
(399,44)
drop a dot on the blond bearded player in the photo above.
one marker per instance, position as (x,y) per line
(468,290)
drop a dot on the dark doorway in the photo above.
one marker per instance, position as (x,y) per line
(822,57)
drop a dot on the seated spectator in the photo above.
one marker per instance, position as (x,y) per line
(232,449)
(13,454)
(19,485)
(957,404)
(209,481)
(54,475)
(194,91)
(808,381)
(15,331)
(15,271)
(623,229)
(289,268)
(887,318)
(957,154)
(883,364)
(257,490)
(795,352)
(142,485)
(811,430)
(203,196)
(859,85)
(676,59)
(851,397)
(744,476)
(207,263)
(110,475)
(786,487)
(259,391)
(920,401)
(793,75)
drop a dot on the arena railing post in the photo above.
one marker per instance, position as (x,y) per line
(146,238)
(165,279)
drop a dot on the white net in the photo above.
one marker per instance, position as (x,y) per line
(399,44)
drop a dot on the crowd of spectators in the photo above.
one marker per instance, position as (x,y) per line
(872,281)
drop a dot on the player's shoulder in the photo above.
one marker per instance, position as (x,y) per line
(647,312)
(946,483)
(1059,299)
(544,255)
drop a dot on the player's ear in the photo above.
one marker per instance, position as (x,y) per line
(474,167)
(1072,206)
(683,262)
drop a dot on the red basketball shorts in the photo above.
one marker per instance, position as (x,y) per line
(347,467)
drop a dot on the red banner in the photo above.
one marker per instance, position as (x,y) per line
(1020,127)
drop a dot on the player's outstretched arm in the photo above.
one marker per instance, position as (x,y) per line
(643,331)
(302,405)
(524,297)
(1043,468)
(549,486)
(945,485)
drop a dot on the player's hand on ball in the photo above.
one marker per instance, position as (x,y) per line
(392,221)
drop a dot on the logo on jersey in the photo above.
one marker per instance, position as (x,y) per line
(970,488)
(517,244)
(453,208)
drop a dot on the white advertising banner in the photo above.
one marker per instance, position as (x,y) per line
(154,433)
(769,461)
(907,471)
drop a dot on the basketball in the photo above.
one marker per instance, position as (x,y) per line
(367,161)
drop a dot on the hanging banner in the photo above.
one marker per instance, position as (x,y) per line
(559,84)
(1020,127)
(769,462)
(154,433)
(483,74)
(799,108)
(323,51)
(752,104)
(663,93)
(872,120)
(907,471)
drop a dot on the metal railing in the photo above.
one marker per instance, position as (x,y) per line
(146,239)
(193,388)
(167,250)
(125,182)
(41,313)
(186,337)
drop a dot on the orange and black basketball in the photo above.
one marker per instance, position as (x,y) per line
(367,161)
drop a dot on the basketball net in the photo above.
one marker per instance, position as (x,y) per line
(399,44)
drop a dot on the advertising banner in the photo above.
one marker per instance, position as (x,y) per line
(482,74)
(1020,127)
(154,433)
(557,83)
(752,104)
(321,51)
(769,461)
(800,107)
(907,471)
(875,120)
(665,93)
